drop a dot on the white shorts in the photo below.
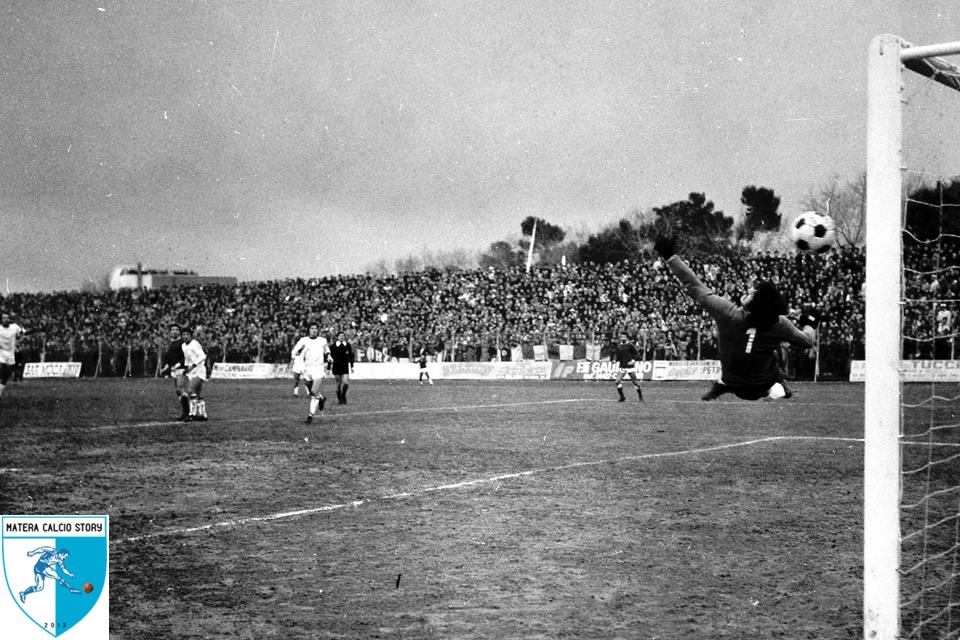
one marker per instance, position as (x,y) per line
(313,373)
(298,366)
(199,371)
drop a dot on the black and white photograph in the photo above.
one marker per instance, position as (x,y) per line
(447,319)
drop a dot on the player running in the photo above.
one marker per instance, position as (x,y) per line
(341,353)
(625,354)
(749,334)
(46,567)
(9,332)
(316,356)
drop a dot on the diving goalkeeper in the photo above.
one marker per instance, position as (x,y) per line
(749,334)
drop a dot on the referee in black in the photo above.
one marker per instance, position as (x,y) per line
(342,354)
(173,364)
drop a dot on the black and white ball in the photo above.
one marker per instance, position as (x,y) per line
(812,232)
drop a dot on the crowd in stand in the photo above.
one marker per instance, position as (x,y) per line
(460,314)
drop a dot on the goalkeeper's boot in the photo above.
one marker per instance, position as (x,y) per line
(716,390)
(309,418)
(622,398)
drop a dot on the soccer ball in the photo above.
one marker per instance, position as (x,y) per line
(813,233)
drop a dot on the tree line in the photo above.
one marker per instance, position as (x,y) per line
(703,228)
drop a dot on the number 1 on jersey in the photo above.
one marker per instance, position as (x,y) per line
(751,334)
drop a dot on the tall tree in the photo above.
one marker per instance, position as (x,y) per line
(761,208)
(611,245)
(696,221)
(547,240)
(931,212)
(547,233)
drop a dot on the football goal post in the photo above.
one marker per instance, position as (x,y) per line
(911,545)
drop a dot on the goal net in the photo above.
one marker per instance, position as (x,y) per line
(912,371)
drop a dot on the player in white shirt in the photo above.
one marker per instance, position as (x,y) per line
(316,358)
(195,368)
(9,332)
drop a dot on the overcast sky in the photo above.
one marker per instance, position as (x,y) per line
(268,139)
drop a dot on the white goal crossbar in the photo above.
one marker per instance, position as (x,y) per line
(888,55)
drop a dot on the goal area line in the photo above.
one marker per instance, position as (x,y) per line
(285,515)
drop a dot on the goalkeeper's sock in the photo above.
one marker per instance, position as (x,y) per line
(343,394)
(620,393)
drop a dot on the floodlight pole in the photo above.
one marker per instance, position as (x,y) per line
(881,494)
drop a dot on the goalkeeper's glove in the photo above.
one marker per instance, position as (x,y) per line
(664,245)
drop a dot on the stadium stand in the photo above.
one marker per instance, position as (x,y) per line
(463,315)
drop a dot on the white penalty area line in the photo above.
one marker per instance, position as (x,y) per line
(239,522)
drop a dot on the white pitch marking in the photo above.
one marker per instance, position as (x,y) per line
(474,482)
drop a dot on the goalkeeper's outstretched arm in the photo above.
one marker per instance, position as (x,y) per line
(715,305)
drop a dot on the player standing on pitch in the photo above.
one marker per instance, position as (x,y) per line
(173,364)
(195,369)
(749,334)
(316,356)
(9,332)
(422,361)
(625,354)
(341,352)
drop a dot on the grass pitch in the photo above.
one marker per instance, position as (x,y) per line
(458,510)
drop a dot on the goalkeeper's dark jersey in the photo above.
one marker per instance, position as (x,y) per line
(747,356)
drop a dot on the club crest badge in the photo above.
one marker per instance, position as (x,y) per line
(56,574)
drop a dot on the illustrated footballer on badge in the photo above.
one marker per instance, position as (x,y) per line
(46,567)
